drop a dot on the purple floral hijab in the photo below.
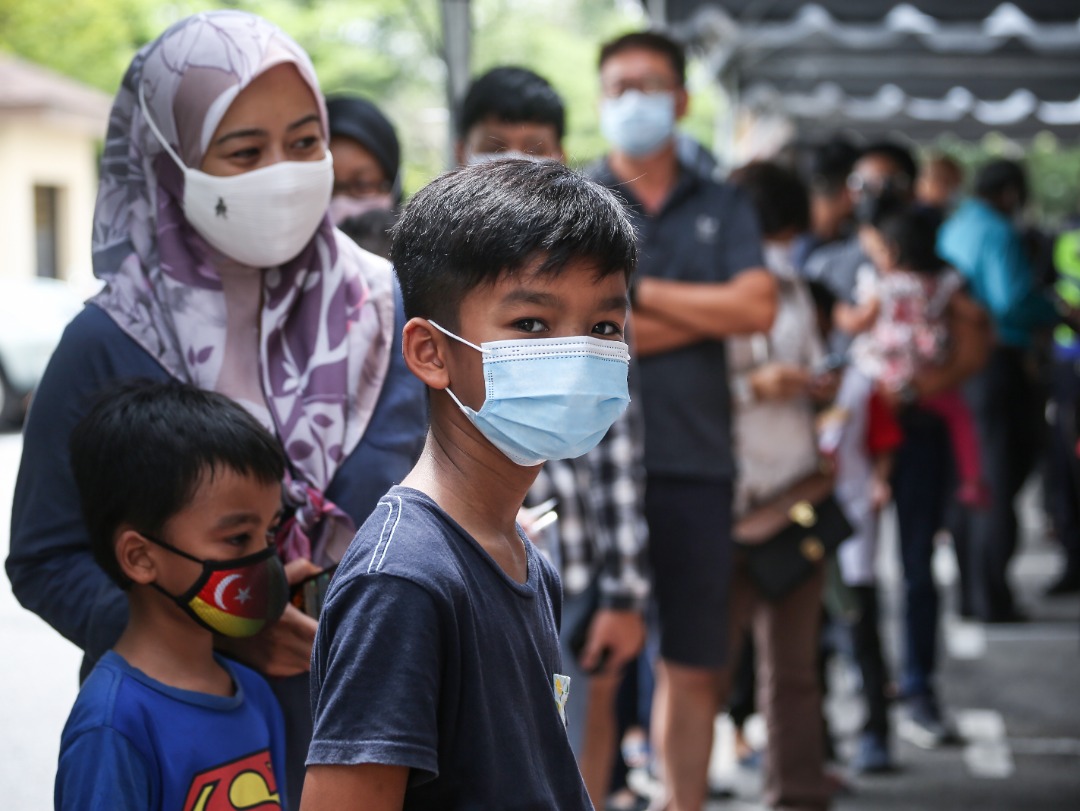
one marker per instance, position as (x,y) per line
(304,346)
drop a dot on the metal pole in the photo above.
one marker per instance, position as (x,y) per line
(457,31)
(657,10)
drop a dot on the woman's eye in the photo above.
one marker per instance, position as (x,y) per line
(247,154)
(238,540)
(607,328)
(305,144)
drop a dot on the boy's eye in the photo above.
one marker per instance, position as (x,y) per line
(607,328)
(530,325)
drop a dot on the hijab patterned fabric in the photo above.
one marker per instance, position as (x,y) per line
(321,332)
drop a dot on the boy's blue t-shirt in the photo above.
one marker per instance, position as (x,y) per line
(132,742)
(429,656)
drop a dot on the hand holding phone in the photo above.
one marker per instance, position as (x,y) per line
(308,595)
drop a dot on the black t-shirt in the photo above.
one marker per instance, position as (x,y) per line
(429,656)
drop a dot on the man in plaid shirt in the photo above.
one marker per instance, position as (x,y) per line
(598,541)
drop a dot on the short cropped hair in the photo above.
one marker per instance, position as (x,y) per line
(898,154)
(829,165)
(1000,176)
(912,231)
(648,41)
(777,195)
(144,449)
(512,95)
(471,226)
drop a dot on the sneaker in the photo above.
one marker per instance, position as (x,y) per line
(872,755)
(923,726)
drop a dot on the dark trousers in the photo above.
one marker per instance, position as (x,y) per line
(922,483)
(866,646)
(1007,401)
(1063,480)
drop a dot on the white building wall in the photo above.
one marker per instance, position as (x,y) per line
(38,151)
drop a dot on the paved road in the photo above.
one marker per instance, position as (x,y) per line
(1015,690)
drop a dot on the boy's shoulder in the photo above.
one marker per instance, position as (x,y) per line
(407,535)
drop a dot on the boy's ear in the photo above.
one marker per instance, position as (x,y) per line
(423,347)
(133,558)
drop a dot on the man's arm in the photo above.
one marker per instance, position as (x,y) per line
(714,310)
(366,786)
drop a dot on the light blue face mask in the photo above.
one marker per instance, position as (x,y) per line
(549,398)
(638,123)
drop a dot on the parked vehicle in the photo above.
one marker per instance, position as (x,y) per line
(33,314)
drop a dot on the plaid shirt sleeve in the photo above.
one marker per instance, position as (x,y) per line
(601,534)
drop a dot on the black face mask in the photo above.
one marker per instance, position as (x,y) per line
(873,205)
(237,597)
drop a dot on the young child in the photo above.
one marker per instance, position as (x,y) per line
(179,488)
(903,310)
(860,433)
(436,673)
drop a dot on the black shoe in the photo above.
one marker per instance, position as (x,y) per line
(1013,617)
(1068,583)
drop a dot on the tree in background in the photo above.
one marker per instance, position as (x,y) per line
(387,50)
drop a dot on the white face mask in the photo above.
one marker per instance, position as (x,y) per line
(638,123)
(343,207)
(262,218)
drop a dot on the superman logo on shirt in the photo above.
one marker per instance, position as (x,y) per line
(247,784)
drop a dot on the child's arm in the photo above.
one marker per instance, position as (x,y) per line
(366,786)
(855,318)
(880,487)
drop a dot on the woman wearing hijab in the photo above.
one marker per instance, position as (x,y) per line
(221,268)
(367,171)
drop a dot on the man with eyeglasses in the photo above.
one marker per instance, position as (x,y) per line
(701,278)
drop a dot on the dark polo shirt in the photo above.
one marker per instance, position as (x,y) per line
(705,232)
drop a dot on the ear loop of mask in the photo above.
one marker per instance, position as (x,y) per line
(157,133)
(453,396)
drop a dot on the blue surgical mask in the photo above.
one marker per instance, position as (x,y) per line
(638,123)
(549,398)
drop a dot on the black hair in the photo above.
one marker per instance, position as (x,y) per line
(648,41)
(830,163)
(512,95)
(912,231)
(1000,176)
(471,226)
(777,194)
(900,155)
(362,121)
(824,301)
(143,450)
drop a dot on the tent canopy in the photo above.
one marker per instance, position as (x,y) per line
(921,67)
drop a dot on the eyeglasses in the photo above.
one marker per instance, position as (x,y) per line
(877,183)
(362,187)
(649,85)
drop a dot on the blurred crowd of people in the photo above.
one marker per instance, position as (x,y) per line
(844,328)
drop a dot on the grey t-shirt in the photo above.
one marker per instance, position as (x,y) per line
(429,656)
(705,232)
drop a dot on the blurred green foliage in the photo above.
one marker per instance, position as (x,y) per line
(390,51)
